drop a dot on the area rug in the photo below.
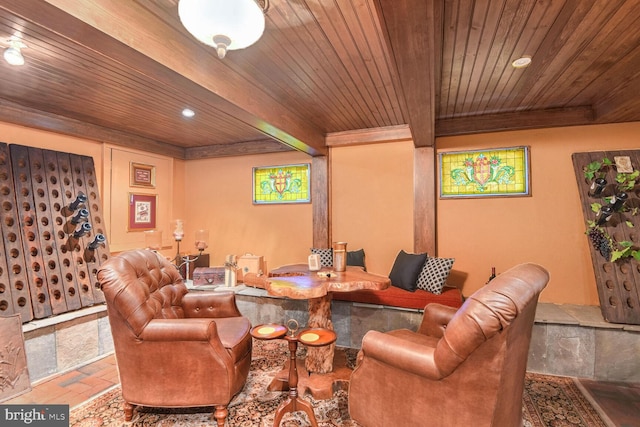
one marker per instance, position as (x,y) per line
(548,401)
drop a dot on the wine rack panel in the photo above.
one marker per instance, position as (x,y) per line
(31,244)
(53,228)
(617,282)
(14,296)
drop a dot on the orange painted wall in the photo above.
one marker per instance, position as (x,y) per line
(546,228)
(372,201)
(118,189)
(372,205)
(219,198)
(14,134)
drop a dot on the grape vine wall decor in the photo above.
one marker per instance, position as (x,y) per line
(607,183)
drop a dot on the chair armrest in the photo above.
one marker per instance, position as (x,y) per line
(210,305)
(400,354)
(162,337)
(180,330)
(435,319)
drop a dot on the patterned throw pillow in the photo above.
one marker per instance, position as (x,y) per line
(434,274)
(326,256)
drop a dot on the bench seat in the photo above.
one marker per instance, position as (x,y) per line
(396,297)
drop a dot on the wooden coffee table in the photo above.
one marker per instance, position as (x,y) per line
(326,368)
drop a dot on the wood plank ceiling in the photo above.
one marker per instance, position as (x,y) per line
(325,72)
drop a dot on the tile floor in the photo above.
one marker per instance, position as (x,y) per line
(619,402)
(73,387)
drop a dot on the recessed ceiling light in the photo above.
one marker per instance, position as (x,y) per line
(188,112)
(12,54)
(522,62)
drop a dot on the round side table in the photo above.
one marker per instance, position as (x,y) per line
(312,337)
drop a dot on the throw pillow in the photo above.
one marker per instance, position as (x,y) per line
(434,274)
(356,258)
(406,269)
(326,256)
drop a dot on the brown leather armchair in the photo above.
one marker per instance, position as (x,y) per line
(173,348)
(463,367)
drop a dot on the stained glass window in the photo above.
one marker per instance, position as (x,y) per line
(497,172)
(281,184)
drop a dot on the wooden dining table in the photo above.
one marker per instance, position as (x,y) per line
(295,281)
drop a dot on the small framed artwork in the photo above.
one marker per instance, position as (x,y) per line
(142,175)
(281,184)
(499,172)
(142,211)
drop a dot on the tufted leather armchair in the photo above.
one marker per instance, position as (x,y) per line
(463,367)
(173,348)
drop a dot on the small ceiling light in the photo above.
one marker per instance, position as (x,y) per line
(224,24)
(522,62)
(12,54)
(188,112)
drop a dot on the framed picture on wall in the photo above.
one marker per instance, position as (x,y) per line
(281,184)
(500,172)
(142,175)
(142,211)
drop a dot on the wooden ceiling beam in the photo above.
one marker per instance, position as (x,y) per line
(413,27)
(132,25)
(555,117)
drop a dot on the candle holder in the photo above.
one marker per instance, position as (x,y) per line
(202,236)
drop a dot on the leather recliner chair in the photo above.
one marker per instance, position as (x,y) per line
(173,348)
(463,367)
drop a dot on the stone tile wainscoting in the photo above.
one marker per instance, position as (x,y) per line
(67,341)
(567,340)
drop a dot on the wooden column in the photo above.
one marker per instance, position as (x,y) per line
(321,200)
(424,196)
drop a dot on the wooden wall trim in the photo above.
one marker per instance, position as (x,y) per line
(236,149)
(369,136)
(556,117)
(321,201)
(424,206)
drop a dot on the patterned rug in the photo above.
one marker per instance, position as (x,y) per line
(548,401)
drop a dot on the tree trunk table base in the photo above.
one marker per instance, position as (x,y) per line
(321,386)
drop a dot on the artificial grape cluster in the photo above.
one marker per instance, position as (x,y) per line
(601,242)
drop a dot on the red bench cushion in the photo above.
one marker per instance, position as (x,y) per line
(396,297)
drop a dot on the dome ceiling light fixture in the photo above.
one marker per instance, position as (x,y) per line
(13,54)
(224,24)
